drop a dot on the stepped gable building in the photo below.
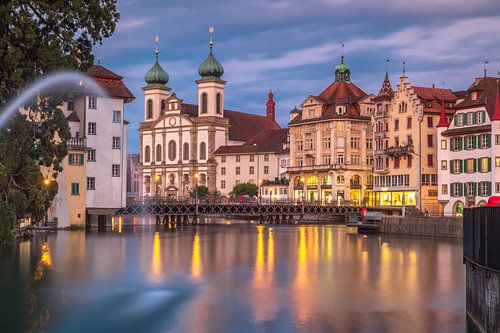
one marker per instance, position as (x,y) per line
(469,149)
(263,159)
(331,143)
(92,185)
(178,140)
(406,165)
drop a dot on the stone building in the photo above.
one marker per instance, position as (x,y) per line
(406,166)
(331,144)
(469,149)
(178,140)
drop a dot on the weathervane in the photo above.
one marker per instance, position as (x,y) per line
(342,54)
(211,32)
(486,62)
(157,39)
(387,65)
(404,66)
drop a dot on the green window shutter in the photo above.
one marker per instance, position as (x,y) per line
(464,119)
(465,166)
(475,164)
(460,140)
(489,164)
(452,144)
(484,116)
(474,118)
(81,159)
(452,189)
(455,120)
(460,189)
(451,166)
(475,141)
(474,188)
(460,166)
(489,188)
(488,140)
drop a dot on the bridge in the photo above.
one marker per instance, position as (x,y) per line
(185,212)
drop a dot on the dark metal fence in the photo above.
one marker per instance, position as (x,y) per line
(482,236)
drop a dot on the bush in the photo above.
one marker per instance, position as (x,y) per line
(245,189)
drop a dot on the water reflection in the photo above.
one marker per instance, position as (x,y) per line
(246,278)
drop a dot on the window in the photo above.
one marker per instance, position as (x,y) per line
(443,144)
(299,161)
(266,157)
(222,184)
(75,188)
(238,158)
(223,171)
(444,165)
(312,113)
(459,119)
(266,169)
(484,189)
(430,122)
(396,141)
(473,95)
(470,165)
(355,142)
(456,189)
(252,158)
(480,117)
(204,103)
(185,152)
(369,143)
(71,105)
(469,189)
(497,139)
(237,170)
(484,141)
(444,188)
(116,142)
(218,102)
(409,160)
(147,154)
(408,123)
(172,150)
(396,124)
(456,166)
(90,183)
(115,170)
(92,103)
(470,118)
(149,109)
(163,107)
(327,159)
(117,116)
(396,162)
(430,160)
(300,145)
(430,140)
(327,142)
(497,187)
(484,164)
(251,170)
(203,151)
(91,155)
(340,179)
(354,159)
(497,162)
(92,129)
(340,159)
(75,159)
(403,107)
(309,143)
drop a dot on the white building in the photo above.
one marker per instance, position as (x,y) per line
(469,149)
(93,182)
(178,140)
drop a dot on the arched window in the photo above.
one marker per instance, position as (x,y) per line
(203,151)
(147,154)
(158,153)
(218,107)
(340,179)
(204,103)
(326,180)
(312,181)
(149,109)
(171,150)
(355,180)
(298,181)
(458,208)
(185,151)
(369,180)
(203,179)
(163,107)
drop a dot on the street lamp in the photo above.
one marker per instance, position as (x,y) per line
(260,190)
(303,180)
(158,184)
(196,176)
(46,184)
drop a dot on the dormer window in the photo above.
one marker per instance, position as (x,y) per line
(473,96)
(312,113)
(341,110)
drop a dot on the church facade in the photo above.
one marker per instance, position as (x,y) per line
(178,140)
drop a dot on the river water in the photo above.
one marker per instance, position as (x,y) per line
(232,278)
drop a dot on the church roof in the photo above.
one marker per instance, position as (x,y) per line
(111,82)
(272,140)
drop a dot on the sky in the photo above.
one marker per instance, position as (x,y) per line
(292,46)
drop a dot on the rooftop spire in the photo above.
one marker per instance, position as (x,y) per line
(270,105)
(443,122)
(386,88)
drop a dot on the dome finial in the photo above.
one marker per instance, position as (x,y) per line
(157,39)
(211,32)
(211,68)
(156,76)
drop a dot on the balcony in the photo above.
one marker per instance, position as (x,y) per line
(320,167)
(401,150)
(77,142)
(382,170)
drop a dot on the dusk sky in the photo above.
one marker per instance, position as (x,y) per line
(293,46)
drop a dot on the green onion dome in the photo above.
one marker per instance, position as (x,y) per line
(211,68)
(156,76)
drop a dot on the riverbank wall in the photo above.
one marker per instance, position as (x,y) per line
(482,262)
(423,226)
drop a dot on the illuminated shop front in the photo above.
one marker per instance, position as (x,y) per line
(395,199)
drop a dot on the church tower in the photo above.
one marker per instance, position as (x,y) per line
(156,92)
(342,71)
(270,105)
(210,85)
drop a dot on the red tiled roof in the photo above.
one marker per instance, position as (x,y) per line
(111,82)
(73,117)
(435,93)
(242,126)
(467,130)
(266,141)
(487,88)
(342,92)
(496,113)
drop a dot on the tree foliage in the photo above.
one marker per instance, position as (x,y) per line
(245,189)
(202,191)
(38,37)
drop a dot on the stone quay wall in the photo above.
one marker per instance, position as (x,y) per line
(423,226)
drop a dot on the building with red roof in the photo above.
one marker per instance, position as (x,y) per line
(331,143)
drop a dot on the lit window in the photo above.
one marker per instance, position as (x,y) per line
(443,144)
(444,165)
(484,164)
(497,161)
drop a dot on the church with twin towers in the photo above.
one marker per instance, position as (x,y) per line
(179,141)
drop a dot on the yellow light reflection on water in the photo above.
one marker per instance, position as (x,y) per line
(120,222)
(156,263)
(301,292)
(270,254)
(196,265)
(112,224)
(45,261)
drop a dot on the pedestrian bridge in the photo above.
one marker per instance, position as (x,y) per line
(271,212)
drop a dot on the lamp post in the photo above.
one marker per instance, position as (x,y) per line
(196,176)
(260,190)
(46,184)
(303,180)
(158,184)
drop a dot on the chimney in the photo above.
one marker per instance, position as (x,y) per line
(270,114)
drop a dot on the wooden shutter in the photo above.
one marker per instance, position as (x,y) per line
(452,189)
(460,166)
(474,118)
(455,120)
(464,119)
(460,141)
(474,188)
(488,140)
(489,164)
(452,144)
(475,141)
(488,185)
(484,116)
